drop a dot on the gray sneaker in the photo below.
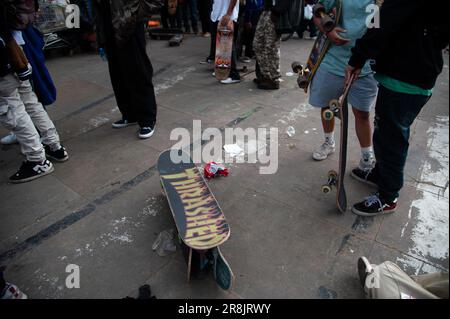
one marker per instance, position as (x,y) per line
(324,151)
(367,164)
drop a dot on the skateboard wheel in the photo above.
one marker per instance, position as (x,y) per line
(302,82)
(334,105)
(328,115)
(333,174)
(297,67)
(326,189)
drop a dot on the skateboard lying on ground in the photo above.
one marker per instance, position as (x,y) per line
(176,40)
(307,72)
(224,49)
(200,222)
(339,109)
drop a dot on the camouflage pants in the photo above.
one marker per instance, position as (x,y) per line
(267,45)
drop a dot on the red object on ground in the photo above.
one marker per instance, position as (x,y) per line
(213,170)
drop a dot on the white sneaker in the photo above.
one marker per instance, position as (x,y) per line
(367,164)
(9,139)
(230,81)
(324,151)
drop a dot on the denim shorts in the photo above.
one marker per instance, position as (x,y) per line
(326,87)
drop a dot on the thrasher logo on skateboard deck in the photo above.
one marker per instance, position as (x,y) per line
(201,224)
(201,221)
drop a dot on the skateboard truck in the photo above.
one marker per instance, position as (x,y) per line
(327,21)
(333,177)
(334,111)
(303,75)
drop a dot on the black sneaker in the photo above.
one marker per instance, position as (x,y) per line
(123,123)
(365,176)
(373,206)
(146,132)
(31,170)
(60,155)
(269,85)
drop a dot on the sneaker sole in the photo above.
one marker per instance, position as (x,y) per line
(144,137)
(322,159)
(364,181)
(359,213)
(57,159)
(123,126)
(29,179)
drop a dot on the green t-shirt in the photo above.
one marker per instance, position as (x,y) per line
(401,87)
(353,19)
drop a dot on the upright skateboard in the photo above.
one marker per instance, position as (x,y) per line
(339,109)
(200,222)
(307,72)
(224,49)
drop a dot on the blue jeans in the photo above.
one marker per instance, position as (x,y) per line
(394,115)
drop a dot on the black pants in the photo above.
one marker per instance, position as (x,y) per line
(205,8)
(234,74)
(394,115)
(131,75)
(168,21)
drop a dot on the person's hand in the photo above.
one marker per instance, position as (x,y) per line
(225,21)
(335,38)
(351,74)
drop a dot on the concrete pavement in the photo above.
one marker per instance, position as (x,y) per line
(103,209)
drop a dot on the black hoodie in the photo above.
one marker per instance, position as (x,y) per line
(408,45)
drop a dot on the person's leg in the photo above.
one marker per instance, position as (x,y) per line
(259,44)
(234,73)
(193,8)
(138,72)
(39,116)
(362,97)
(394,115)
(269,57)
(312,29)
(212,50)
(185,15)
(164,16)
(14,118)
(324,88)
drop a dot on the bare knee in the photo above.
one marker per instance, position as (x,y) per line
(360,115)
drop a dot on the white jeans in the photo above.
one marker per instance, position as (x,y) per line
(21,112)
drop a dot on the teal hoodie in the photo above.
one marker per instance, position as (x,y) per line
(353,20)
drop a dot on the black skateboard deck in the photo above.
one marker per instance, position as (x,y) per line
(200,222)
(339,109)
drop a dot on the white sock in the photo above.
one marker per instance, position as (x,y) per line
(329,138)
(367,152)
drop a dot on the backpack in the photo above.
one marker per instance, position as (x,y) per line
(291,19)
(21,13)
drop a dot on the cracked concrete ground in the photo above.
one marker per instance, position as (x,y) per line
(103,209)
